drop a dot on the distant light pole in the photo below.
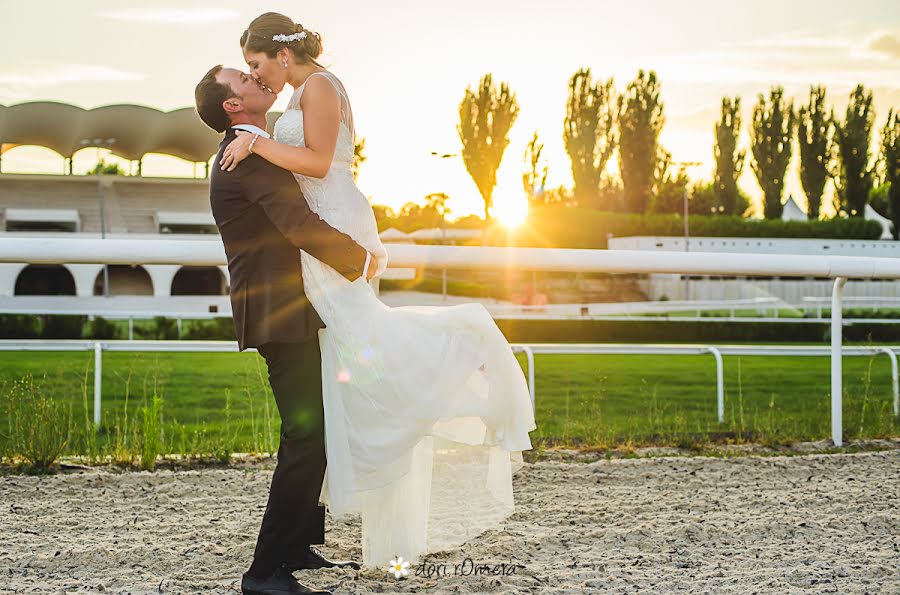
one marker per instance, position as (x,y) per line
(443,228)
(99,143)
(683,165)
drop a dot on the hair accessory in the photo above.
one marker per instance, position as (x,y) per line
(289,38)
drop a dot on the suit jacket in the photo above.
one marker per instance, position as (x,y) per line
(264,222)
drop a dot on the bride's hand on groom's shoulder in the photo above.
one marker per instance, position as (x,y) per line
(237,150)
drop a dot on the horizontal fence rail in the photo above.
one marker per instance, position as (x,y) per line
(212,253)
(55,250)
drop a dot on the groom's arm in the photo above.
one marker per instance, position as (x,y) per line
(277,192)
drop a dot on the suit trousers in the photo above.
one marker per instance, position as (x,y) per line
(294,519)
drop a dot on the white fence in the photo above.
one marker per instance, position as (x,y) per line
(206,253)
(717,351)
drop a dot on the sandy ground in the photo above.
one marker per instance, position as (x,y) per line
(800,524)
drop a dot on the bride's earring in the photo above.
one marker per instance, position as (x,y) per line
(285,63)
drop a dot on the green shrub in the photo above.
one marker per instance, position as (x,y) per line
(432,285)
(716,331)
(151,435)
(101,328)
(38,427)
(19,326)
(54,326)
(162,329)
(217,329)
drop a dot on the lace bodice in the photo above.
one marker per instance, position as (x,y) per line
(289,127)
(335,198)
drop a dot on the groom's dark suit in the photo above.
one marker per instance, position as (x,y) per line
(264,221)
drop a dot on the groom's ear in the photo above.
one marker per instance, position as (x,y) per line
(232,105)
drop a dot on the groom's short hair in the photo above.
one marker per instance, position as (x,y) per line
(209,96)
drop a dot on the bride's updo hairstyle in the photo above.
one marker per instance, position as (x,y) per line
(258,38)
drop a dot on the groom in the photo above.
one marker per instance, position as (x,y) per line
(264,222)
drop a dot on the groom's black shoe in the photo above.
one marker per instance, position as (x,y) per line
(314,560)
(280,582)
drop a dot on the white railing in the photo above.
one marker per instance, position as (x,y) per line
(616,310)
(207,253)
(113,308)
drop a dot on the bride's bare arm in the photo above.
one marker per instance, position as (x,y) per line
(321,122)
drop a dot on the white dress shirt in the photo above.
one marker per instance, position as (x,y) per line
(253,129)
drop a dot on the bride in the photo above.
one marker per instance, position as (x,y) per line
(426,408)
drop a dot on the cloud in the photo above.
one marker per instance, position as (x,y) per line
(797,41)
(172,16)
(19,85)
(41,75)
(884,43)
(793,58)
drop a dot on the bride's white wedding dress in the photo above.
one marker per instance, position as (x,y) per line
(427,411)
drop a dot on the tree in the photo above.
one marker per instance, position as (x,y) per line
(854,177)
(729,160)
(485,118)
(534,179)
(107,169)
(436,203)
(770,138)
(589,132)
(359,156)
(671,185)
(383,212)
(559,196)
(815,130)
(640,121)
(890,159)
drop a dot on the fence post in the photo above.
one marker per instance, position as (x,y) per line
(720,382)
(529,356)
(98,386)
(895,386)
(837,409)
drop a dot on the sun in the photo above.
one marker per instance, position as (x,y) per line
(511,212)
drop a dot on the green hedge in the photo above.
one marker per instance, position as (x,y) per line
(16,326)
(516,331)
(44,326)
(585,228)
(638,331)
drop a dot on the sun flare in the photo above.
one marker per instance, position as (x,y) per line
(511,212)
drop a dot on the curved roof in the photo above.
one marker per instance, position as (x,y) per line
(136,130)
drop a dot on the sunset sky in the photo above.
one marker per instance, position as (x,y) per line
(406,64)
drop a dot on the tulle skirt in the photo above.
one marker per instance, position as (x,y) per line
(427,413)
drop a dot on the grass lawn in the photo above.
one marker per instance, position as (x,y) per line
(215,404)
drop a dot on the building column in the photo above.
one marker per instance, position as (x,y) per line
(85,276)
(226,274)
(162,275)
(9,272)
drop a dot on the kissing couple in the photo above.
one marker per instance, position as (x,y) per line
(423,412)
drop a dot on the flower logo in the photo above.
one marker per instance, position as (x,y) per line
(399,567)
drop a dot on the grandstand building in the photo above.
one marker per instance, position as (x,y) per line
(132,206)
